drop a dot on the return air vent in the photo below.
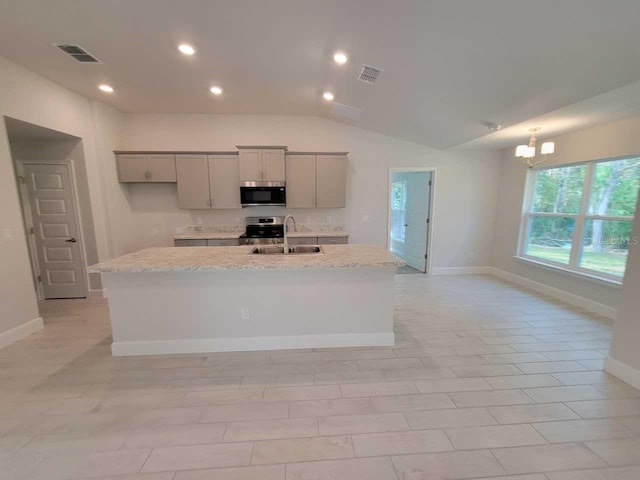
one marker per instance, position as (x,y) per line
(79,53)
(345,110)
(369,74)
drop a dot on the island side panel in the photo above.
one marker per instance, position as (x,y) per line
(187,312)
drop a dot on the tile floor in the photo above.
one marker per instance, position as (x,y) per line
(486,380)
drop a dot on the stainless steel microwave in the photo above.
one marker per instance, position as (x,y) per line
(255,194)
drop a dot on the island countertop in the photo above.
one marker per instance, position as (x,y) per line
(203,259)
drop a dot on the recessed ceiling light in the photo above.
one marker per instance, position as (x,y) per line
(340,58)
(186,49)
(215,90)
(328,96)
(106,88)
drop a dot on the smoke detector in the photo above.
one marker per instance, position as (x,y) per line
(77,52)
(369,74)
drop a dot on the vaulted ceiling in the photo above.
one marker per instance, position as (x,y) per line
(448,65)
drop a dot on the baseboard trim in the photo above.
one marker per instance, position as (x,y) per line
(570,298)
(623,371)
(21,331)
(248,344)
(460,270)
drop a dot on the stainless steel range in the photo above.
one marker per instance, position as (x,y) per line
(263,231)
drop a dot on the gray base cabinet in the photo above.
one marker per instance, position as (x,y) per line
(211,242)
(318,240)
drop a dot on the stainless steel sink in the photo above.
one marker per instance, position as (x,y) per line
(294,250)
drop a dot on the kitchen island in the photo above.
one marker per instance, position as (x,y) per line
(217,299)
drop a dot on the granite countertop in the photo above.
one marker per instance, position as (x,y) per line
(203,259)
(230,235)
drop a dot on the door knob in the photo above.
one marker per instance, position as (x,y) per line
(406,224)
(72,240)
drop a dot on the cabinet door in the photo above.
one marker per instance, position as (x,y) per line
(193,181)
(303,241)
(273,165)
(223,242)
(187,242)
(132,168)
(224,181)
(301,181)
(250,165)
(331,181)
(162,168)
(333,240)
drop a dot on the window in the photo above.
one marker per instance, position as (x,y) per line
(398,210)
(579,217)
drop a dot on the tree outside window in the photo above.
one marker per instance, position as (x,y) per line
(580,216)
(398,209)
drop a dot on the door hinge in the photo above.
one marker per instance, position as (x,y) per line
(40,278)
(427,220)
(31,231)
(429,182)
(425,256)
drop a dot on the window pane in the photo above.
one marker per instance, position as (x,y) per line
(550,238)
(559,190)
(605,246)
(615,188)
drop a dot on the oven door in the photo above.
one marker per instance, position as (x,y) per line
(259,194)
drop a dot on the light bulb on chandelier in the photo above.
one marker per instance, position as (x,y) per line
(528,152)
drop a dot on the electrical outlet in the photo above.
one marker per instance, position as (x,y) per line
(154,231)
(245,313)
(237,220)
(329,219)
(308,219)
(365,219)
(179,230)
(198,220)
(7,234)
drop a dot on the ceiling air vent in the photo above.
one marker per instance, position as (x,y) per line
(79,53)
(369,74)
(345,110)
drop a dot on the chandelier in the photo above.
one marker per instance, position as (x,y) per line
(528,152)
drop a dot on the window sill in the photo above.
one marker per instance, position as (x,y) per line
(585,276)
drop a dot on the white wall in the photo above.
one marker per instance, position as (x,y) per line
(626,336)
(611,140)
(465,191)
(31,98)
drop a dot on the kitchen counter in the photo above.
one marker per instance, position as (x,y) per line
(233,235)
(223,299)
(206,259)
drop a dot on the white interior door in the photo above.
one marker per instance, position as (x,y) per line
(410,194)
(56,232)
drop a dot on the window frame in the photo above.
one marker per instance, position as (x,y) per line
(580,218)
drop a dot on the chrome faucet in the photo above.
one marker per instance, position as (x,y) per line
(286,237)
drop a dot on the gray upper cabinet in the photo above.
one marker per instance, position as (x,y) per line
(146,168)
(208,181)
(316,181)
(301,181)
(224,181)
(273,165)
(262,165)
(193,182)
(331,181)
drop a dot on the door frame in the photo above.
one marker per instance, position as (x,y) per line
(28,221)
(429,245)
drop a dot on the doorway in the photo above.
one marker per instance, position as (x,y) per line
(410,225)
(53,190)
